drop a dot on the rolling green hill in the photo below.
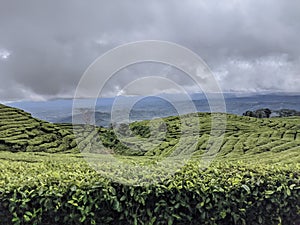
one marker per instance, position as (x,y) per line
(20,132)
(243,136)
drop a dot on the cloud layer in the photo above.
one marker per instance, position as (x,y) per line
(45,46)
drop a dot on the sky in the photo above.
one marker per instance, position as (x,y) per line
(46,46)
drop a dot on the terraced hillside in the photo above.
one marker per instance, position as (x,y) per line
(19,131)
(243,136)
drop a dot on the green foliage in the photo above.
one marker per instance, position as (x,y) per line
(64,190)
(243,135)
(141,129)
(253,180)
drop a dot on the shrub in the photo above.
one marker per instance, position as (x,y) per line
(222,194)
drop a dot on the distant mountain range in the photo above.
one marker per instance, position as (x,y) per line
(101,119)
(60,110)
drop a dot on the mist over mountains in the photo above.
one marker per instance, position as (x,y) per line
(60,110)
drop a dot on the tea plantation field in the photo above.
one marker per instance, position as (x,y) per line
(19,132)
(160,176)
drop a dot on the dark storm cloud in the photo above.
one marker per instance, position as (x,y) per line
(45,46)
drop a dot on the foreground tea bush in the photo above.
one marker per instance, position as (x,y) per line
(67,191)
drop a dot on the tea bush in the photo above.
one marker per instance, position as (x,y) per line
(67,191)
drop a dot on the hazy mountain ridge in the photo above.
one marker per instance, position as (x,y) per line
(60,110)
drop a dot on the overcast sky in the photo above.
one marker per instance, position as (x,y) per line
(46,45)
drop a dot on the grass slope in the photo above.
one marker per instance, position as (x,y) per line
(20,132)
(243,136)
